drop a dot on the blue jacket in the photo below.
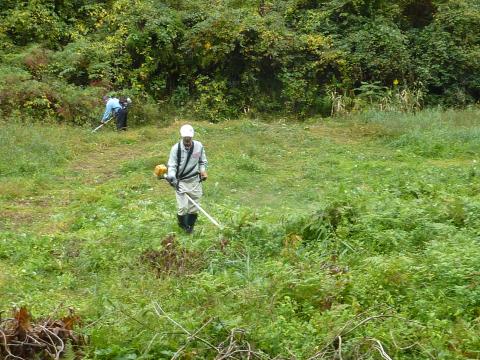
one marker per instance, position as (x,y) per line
(113,105)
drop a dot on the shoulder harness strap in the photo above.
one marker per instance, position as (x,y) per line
(181,175)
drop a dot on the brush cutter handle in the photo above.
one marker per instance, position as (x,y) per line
(172,181)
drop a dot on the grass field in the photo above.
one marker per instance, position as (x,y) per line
(356,238)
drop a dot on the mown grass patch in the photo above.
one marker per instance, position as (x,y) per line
(29,151)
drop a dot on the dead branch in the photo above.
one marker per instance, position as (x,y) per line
(21,338)
(400,347)
(336,342)
(190,338)
(340,347)
(54,345)
(232,347)
(365,321)
(378,346)
(161,313)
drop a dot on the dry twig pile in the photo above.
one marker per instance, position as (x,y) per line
(22,339)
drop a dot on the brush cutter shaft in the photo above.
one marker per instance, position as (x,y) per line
(203,211)
(99,126)
(212,220)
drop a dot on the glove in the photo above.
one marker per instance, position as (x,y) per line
(172,181)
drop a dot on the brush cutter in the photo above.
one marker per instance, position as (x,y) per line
(161,172)
(103,123)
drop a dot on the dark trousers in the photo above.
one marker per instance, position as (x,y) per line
(121,117)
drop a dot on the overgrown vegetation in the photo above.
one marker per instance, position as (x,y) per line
(355,238)
(219,59)
(351,234)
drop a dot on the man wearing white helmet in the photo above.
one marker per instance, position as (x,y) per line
(187,167)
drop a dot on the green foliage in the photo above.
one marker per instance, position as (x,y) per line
(212,100)
(446,51)
(424,138)
(34,22)
(298,57)
(375,240)
(379,51)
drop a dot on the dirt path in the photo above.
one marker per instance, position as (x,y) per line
(40,211)
(99,167)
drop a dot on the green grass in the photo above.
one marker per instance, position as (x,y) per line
(327,223)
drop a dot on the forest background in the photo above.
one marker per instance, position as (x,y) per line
(218,59)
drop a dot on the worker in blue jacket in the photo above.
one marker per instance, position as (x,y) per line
(118,109)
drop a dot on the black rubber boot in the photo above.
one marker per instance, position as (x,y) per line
(182,221)
(191,219)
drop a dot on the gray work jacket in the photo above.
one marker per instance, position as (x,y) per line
(196,163)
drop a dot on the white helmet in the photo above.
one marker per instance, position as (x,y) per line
(186,131)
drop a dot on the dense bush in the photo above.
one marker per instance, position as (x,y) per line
(298,56)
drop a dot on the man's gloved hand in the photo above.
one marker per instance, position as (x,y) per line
(172,180)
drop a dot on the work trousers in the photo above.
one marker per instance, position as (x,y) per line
(121,117)
(192,187)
